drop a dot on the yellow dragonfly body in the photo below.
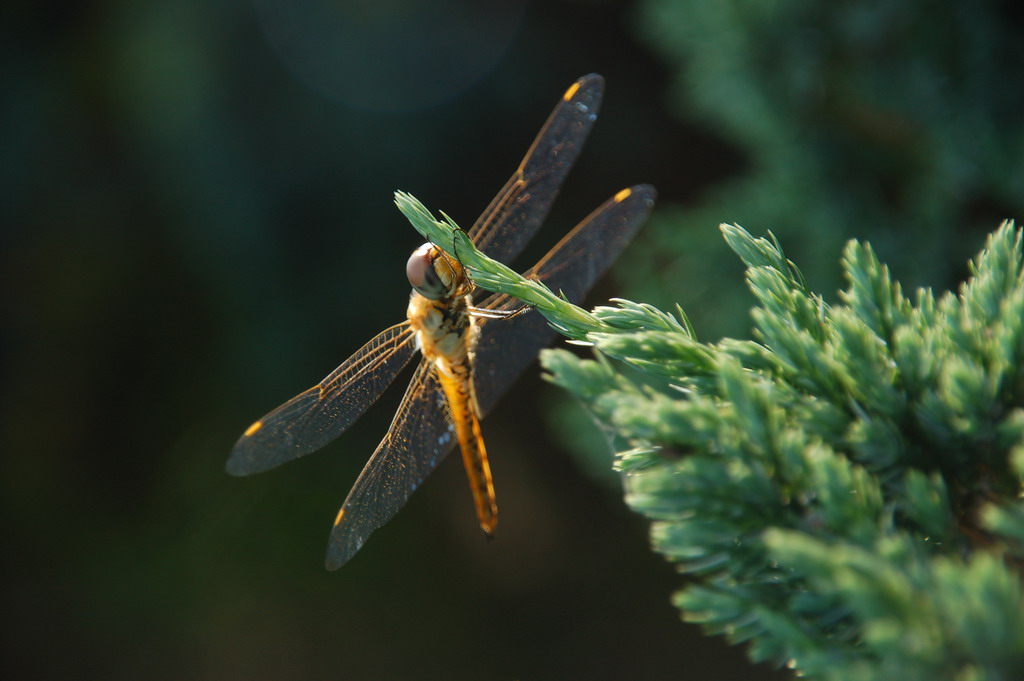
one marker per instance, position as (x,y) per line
(440,311)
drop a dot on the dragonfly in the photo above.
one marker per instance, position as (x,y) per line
(472,345)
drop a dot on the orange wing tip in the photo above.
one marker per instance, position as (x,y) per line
(571,92)
(623,195)
(341,514)
(253,428)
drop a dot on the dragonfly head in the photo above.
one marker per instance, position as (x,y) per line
(436,275)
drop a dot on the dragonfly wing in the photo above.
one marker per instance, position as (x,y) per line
(420,436)
(519,209)
(507,346)
(313,418)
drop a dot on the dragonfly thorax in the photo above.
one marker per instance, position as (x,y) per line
(436,275)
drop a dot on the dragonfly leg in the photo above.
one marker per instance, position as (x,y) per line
(498,314)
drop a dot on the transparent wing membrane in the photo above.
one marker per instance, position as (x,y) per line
(317,416)
(507,346)
(420,436)
(519,209)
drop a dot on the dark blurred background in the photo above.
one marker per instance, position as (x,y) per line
(197,223)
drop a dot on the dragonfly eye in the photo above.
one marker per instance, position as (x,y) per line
(423,275)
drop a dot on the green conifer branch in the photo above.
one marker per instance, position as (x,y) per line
(845,491)
(571,321)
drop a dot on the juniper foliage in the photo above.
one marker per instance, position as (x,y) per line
(844,491)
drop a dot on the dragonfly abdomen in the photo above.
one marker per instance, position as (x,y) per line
(457,384)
